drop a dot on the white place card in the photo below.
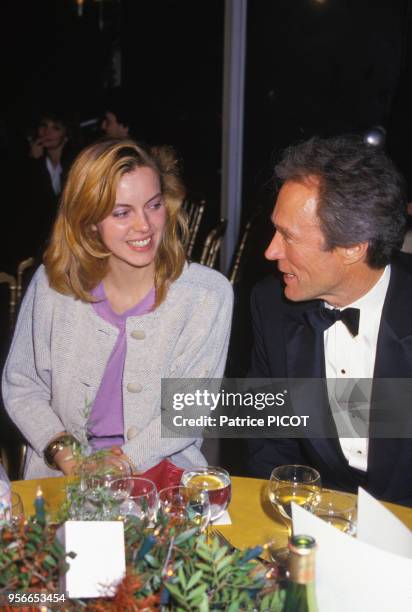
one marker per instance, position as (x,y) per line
(99,564)
(379,527)
(352,574)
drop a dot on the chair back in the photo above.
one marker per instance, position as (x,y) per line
(13,452)
(213,243)
(21,267)
(194,212)
(238,257)
(12,301)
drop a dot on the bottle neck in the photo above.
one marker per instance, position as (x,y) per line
(302,568)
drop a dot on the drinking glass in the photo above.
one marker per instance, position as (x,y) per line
(337,509)
(5,498)
(216,482)
(137,497)
(101,469)
(13,510)
(293,483)
(183,503)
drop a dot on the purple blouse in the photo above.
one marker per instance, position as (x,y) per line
(106,418)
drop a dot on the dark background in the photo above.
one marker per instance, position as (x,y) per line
(313,66)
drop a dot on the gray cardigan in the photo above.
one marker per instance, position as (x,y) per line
(61,346)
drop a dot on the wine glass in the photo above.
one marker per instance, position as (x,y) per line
(186,503)
(13,510)
(293,483)
(214,480)
(101,469)
(337,509)
(137,497)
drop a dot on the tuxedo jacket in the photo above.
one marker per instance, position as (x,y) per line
(286,346)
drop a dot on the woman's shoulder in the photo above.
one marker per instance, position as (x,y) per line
(202,278)
(40,287)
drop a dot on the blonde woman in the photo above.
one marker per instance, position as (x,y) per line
(114,309)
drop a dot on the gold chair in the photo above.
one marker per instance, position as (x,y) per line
(238,257)
(194,211)
(213,243)
(21,267)
(12,302)
(13,455)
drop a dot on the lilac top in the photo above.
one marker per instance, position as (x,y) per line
(106,418)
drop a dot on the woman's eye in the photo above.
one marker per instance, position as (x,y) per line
(119,214)
(156,205)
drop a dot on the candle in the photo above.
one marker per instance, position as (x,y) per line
(39,506)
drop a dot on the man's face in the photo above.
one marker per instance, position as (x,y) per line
(309,271)
(112,128)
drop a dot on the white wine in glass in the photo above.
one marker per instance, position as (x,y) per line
(294,483)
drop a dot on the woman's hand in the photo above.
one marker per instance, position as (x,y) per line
(65,461)
(117,456)
(36,148)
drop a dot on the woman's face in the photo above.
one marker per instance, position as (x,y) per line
(134,229)
(52,134)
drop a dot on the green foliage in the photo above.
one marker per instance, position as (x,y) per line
(30,556)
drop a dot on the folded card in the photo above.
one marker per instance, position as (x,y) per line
(357,575)
(99,564)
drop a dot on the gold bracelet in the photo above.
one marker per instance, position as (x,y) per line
(56,446)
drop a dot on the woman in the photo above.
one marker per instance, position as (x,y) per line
(45,172)
(114,310)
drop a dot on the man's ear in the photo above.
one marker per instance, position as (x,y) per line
(354,253)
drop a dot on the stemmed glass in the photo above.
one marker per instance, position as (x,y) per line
(338,509)
(94,500)
(137,497)
(186,503)
(293,483)
(216,482)
(99,470)
(300,484)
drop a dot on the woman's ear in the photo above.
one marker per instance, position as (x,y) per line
(94,227)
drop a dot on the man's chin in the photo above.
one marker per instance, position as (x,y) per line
(293,294)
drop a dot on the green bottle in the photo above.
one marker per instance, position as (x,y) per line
(300,592)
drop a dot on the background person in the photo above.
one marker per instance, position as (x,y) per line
(115,309)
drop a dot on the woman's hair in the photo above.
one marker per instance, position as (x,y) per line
(76,260)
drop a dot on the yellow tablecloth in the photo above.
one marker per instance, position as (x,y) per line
(254,521)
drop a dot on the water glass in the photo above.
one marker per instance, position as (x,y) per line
(338,509)
(186,503)
(216,482)
(137,497)
(99,470)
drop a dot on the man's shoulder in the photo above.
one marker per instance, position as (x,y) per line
(268,288)
(401,265)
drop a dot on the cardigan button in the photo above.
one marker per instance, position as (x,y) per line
(134,387)
(132,432)
(138,334)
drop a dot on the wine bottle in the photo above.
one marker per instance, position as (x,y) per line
(300,591)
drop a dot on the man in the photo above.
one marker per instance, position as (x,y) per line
(339,221)
(116,122)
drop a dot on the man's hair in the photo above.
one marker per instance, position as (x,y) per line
(76,259)
(361,193)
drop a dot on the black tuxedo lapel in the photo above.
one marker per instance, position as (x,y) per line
(393,360)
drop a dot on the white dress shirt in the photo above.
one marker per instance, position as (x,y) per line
(350,363)
(55,176)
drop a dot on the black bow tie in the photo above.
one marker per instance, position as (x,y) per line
(322,318)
